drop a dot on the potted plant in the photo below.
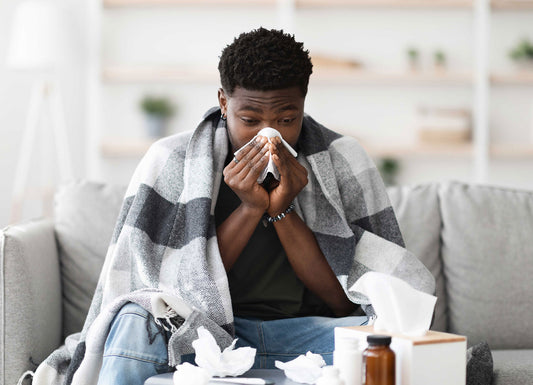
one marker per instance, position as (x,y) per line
(157,111)
(389,169)
(439,59)
(522,53)
(413,57)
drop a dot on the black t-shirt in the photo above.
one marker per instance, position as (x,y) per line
(262,282)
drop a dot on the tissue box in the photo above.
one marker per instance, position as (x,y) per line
(435,358)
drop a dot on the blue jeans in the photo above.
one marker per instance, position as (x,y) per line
(136,348)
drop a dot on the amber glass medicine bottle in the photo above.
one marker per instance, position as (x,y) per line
(378,361)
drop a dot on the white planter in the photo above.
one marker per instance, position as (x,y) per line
(155,125)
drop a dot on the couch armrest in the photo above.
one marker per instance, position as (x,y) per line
(30,297)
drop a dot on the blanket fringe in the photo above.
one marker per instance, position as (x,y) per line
(168,316)
(24,375)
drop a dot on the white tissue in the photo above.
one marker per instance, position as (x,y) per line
(190,375)
(399,307)
(305,369)
(230,362)
(269,133)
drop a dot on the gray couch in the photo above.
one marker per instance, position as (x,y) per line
(476,240)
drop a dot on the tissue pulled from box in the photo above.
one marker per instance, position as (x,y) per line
(230,362)
(398,306)
(190,375)
(269,133)
(305,369)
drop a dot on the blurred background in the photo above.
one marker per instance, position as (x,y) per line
(435,90)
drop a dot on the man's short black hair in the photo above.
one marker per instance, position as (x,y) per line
(265,60)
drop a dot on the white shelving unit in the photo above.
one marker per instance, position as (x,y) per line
(478,78)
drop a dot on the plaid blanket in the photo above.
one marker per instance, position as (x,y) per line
(165,241)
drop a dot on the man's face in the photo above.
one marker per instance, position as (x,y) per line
(250,111)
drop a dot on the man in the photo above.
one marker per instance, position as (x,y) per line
(269,263)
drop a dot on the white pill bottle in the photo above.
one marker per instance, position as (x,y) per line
(348,358)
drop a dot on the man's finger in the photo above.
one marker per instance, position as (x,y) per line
(248,153)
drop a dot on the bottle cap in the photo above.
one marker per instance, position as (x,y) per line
(378,340)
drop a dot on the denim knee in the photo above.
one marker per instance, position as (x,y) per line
(135,335)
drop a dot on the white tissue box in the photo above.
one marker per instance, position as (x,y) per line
(435,358)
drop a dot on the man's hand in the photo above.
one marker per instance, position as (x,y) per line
(242,177)
(293,178)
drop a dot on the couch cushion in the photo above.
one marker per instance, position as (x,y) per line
(85,216)
(417,210)
(512,367)
(487,250)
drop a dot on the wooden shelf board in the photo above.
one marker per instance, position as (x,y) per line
(125,148)
(511,151)
(357,76)
(420,150)
(512,4)
(386,3)
(322,75)
(150,74)
(513,78)
(148,3)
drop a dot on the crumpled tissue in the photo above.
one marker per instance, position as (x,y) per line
(230,362)
(269,133)
(190,375)
(305,369)
(399,307)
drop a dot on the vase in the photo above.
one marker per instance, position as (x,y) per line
(524,65)
(156,125)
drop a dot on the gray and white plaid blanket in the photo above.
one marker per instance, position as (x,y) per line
(165,239)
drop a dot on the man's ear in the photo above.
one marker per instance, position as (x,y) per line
(222,101)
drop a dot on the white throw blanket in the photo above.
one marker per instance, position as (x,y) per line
(165,238)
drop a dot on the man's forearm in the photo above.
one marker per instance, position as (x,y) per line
(310,265)
(235,232)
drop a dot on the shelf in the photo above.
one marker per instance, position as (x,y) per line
(386,3)
(139,74)
(512,151)
(357,76)
(419,150)
(512,4)
(147,3)
(125,148)
(520,78)
(322,75)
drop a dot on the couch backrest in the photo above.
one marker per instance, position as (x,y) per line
(85,215)
(477,241)
(487,252)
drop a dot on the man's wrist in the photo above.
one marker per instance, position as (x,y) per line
(281,215)
(252,211)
